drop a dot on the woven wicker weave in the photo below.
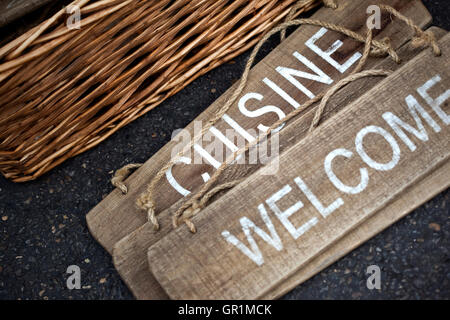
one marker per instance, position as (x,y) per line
(63,91)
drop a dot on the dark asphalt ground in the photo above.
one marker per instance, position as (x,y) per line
(43,228)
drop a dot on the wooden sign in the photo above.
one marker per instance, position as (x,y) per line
(305,61)
(411,198)
(130,253)
(329,183)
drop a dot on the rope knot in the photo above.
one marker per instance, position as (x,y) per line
(426,38)
(193,209)
(118,183)
(190,225)
(385,48)
(121,174)
(151,216)
(330,4)
(148,205)
(421,38)
(186,214)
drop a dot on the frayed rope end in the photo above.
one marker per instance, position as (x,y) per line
(148,205)
(121,174)
(426,38)
(330,4)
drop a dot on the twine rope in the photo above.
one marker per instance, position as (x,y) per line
(146,202)
(193,206)
(299,4)
(199,200)
(196,206)
(194,201)
(421,38)
(330,4)
(121,174)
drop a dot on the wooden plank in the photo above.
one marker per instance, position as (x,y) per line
(217,263)
(117,215)
(412,198)
(130,253)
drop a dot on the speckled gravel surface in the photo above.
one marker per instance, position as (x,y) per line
(43,228)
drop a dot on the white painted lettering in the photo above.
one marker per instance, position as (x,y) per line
(255,253)
(435,103)
(325,212)
(367,159)
(336,181)
(284,216)
(397,124)
(326,55)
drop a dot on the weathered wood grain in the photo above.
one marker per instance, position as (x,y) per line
(130,253)
(205,265)
(117,216)
(412,198)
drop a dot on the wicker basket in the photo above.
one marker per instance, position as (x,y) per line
(63,91)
